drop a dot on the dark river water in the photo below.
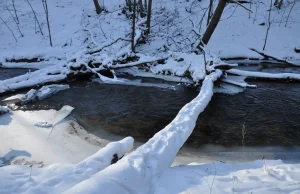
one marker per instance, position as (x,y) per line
(268,115)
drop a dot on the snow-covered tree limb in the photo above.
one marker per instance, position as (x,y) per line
(66,177)
(252,74)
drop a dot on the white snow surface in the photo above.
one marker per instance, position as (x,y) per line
(45,135)
(21,138)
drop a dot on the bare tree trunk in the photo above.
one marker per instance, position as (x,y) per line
(133,26)
(97,6)
(45,4)
(269,25)
(145,4)
(250,9)
(17,18)
(209,11)
(213,23)
(141,9)
(129,5)
(287,19)
(149,16)
(36,19)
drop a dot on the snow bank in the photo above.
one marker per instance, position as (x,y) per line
(136,172)
(19,132)
(262,176)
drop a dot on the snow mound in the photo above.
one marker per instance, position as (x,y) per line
(57,178)
(181,64)
(44,92)
(4,110)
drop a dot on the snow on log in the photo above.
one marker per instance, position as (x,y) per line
(143,60)
(136,172)
(252,74)
(67,176)
(47,75)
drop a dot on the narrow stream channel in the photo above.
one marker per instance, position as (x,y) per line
(268,116)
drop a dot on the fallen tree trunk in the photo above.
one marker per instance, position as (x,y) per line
(141,62)
(251,74)
(135,173)
(106,156)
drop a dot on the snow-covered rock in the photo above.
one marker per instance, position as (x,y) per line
(44,92)
(4,109)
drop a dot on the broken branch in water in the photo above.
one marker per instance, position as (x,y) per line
(274,58)
(239,84)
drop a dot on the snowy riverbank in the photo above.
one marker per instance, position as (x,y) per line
(23,143)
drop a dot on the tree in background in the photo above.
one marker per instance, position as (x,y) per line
(97,6)
(45,5)
(212,24)
(133,26)
(149,16)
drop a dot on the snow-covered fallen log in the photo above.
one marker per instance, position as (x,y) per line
(47,75)
(142,60)
(68,176)
(136,172)
(252,74)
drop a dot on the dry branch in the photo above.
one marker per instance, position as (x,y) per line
(118,66)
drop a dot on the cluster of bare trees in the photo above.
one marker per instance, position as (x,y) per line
(213,19)
(136,8)
(143,9)
(37,22)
